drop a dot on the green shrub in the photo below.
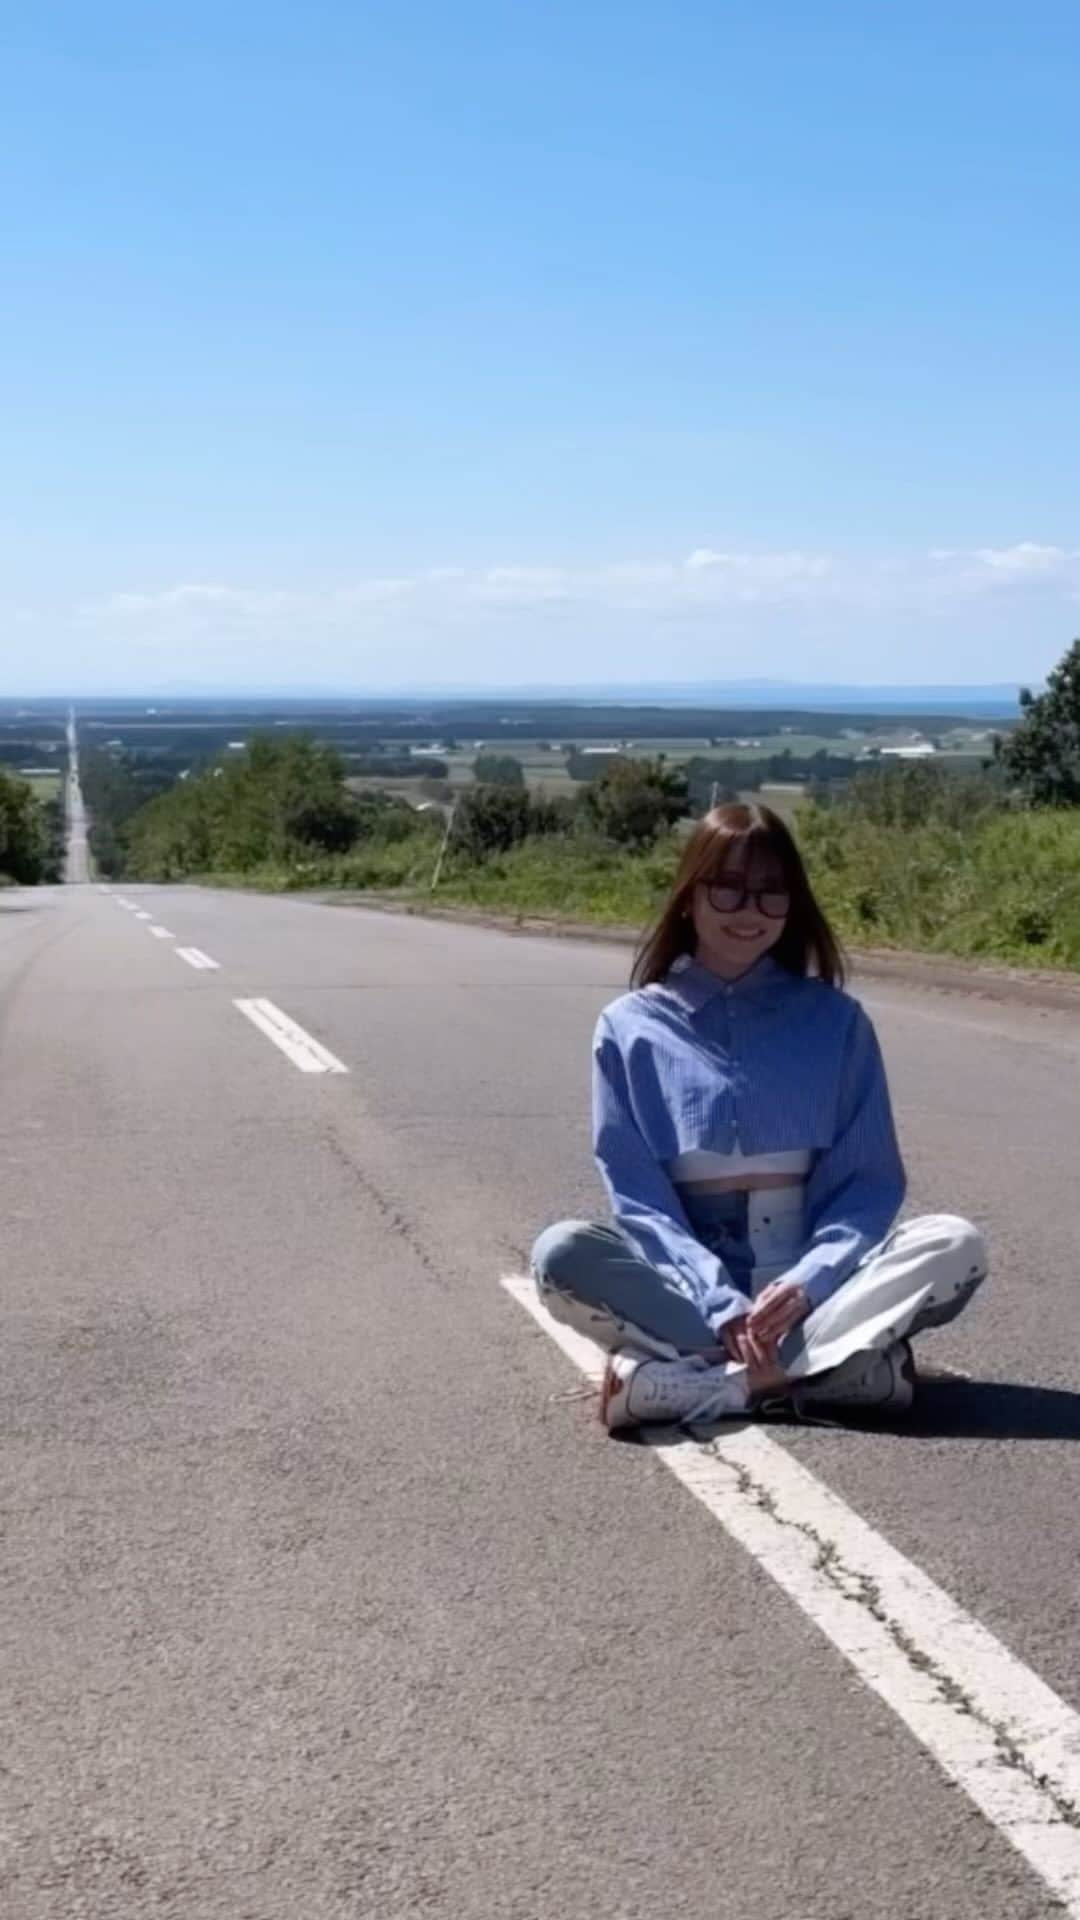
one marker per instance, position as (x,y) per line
(1006,888)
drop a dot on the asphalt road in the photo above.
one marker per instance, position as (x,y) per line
(77,867)
(319,1596)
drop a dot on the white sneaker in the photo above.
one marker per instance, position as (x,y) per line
(868,1382)
(637,1389)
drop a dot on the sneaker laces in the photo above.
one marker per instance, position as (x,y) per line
(716,1405)
(590,1391)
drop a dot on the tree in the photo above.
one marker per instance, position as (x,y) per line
(1043,754)
(24,837)
(278,801)
(635,800)
(498,770)
(491,820)
(115,786)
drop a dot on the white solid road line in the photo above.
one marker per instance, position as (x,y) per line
(994,1727)
(161,933)
(304,1052)
(195,957)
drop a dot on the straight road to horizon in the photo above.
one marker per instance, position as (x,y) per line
(325,1595)
(77,866)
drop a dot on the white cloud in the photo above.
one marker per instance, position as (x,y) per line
(374,593)
(759,568)
(707,578)
(519,583)
(185,598)
(1026,558)
(707,612)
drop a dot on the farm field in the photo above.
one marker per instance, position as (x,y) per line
(46,786)
(401,747)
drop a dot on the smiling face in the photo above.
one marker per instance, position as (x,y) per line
(741,913)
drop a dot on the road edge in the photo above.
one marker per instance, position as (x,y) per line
(939,973)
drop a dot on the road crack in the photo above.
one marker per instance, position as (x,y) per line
(388,1210)
(860,1588)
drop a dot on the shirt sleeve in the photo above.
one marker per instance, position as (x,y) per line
(857,1185)
(643,1200)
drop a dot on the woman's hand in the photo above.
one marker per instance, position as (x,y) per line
(733,1334)
(776,1310)
(747,1348)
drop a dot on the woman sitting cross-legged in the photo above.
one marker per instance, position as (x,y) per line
(743,1129)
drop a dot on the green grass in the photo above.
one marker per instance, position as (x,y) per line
(574,879)
(1005,888)
(401,866)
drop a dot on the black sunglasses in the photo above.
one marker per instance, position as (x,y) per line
(773,903)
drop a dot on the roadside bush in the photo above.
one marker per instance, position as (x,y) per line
(635,800)
(581,877)
(913,795)
(1006,887)
(491,820)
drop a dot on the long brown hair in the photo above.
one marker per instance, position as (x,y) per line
(807,944)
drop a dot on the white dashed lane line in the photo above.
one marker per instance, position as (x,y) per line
(991,1724)
(306,1053)
(196,958)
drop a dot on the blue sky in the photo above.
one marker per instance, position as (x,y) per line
(373,344)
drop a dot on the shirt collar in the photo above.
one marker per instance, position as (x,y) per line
(694,987)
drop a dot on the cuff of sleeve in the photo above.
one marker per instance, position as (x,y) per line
(723,1304)
(819,1285)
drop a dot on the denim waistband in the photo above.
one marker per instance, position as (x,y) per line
(749,1232)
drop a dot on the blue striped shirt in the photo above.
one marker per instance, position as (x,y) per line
(767,1064)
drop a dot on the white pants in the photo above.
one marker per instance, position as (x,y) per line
(922,1276)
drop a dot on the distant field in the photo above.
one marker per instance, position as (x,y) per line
(46,786)
(507,725)
(401,789)
(784,800)
(172,740)
(545,764)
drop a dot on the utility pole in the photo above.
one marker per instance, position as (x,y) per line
(445,843)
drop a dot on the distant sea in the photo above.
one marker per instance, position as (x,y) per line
(996,702)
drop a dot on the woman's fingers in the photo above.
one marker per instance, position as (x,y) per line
(759,1345)
(777,1309)
(734,1333)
